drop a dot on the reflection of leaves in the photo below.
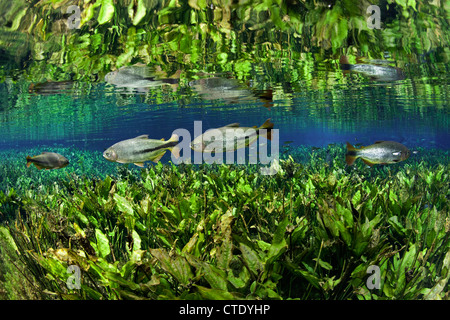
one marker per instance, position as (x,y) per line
(106,11)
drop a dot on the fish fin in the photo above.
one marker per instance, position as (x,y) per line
(269,135)
(233,125)
(158,157)
(350,156)
(175,151)
(38,166)
(267,125)
(144,136)
(162,139)
(379,141)
(28,161)
(350,159)
(350,147)
(139,164)
(370,164)
(344,60)
(174,138)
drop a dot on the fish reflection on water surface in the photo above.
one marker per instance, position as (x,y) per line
(375,70)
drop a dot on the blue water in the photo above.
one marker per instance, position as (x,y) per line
(413,111)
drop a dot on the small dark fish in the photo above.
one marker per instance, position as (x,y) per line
(51,87)
(381,152)
(48,160)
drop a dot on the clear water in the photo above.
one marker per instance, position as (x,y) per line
(93,116)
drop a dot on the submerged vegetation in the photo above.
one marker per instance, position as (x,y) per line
(226,232)
(315,230)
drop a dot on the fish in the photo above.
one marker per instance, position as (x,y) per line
(51,87)
(381,152)
(381,72)
(141,149)
(48,161)
(230,137)
(137,76)
(230,90)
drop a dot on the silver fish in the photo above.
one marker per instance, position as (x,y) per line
(230,137)
(381,152)
(373,71)
(141,149)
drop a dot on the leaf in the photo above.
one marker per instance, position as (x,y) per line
(251,259)
(4,232)
(117,278)
(215,277)
(176,265)
(123,205)
(214,294)
(323,264)
(106,11)
(102,244)
(140,12)
(279,245)
(393,221)
(136,241)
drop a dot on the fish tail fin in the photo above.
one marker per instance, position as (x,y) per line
(345,64)
(267,125)
(174,138)
(158,157)
(344,60)
(351,154)
(175,151)
(28,161)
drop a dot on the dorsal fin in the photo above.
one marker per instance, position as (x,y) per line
(144,136)
(234,125)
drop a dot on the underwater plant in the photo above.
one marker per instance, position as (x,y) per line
(312,231)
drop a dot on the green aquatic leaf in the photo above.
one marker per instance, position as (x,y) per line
(215,277)
(102,243)
(214,294)
(251,259)
(174,264)
(116,278)
(278,245)
(124,205)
